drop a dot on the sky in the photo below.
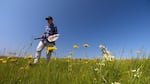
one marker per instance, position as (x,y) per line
(120,25)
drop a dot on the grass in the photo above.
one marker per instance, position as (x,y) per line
(75,71)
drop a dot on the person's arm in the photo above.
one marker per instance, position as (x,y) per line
(43,36)
(56,32)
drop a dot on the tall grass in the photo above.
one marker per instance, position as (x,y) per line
(75,71)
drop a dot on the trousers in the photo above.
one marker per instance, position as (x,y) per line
(40,48)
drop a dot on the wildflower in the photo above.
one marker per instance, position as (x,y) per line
(13,60)
(68,60)
(138,52)
(94,79)
(106,54)
(85,52)
(133,71)
(28,57)
(96,69)
(27,67)
(75,46)
(70,65)
(85,45)
(51,48)
(116,83)
(108,57)
(10,57)
(1,60)
(100,64)
(136,72)
(86,62)
(83,75)
(21,68)
(70,68)
(55,58)
(4,61)
(101,46)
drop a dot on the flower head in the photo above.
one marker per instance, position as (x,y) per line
(116,83)
(85,45)
(1,59)
(51,48)
(10,57)
(27,67)
(13,60)
(86,62)
(4,61)
(100,64)
(75,46)
(96,69)
(101,46)
(136,72)
(28,57)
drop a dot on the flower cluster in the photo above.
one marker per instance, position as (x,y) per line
(136,72)
(3,61)
(106,54)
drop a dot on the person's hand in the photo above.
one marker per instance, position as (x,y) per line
(42,37)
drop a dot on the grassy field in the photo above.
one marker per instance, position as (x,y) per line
(74,71)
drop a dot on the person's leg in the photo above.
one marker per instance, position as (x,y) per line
(38,51)
(48,56)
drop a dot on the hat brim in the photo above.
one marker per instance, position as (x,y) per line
(47,18)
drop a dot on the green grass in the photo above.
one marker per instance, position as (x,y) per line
(75,71)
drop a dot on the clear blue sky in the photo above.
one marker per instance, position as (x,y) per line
(118,24)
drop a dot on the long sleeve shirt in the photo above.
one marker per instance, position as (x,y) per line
(50,30)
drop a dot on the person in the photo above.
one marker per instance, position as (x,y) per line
(51,29)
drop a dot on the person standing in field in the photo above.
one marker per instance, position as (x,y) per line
(45,41)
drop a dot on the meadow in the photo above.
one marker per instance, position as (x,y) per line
(14,70)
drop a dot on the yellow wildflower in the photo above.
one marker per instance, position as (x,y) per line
(68,60)
(4,61)
(85,45)
(27,67)
(75,46)
(83,75)
(10,57)
(1,60)
(28,57)
(51,48)
(13,60)
(86,62)
(94,79)
(21,68)
(55,58)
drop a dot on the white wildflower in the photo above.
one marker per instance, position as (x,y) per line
(116,83)
(100,64)
(96,69)
(136,72)
(106,54)
(133,71)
